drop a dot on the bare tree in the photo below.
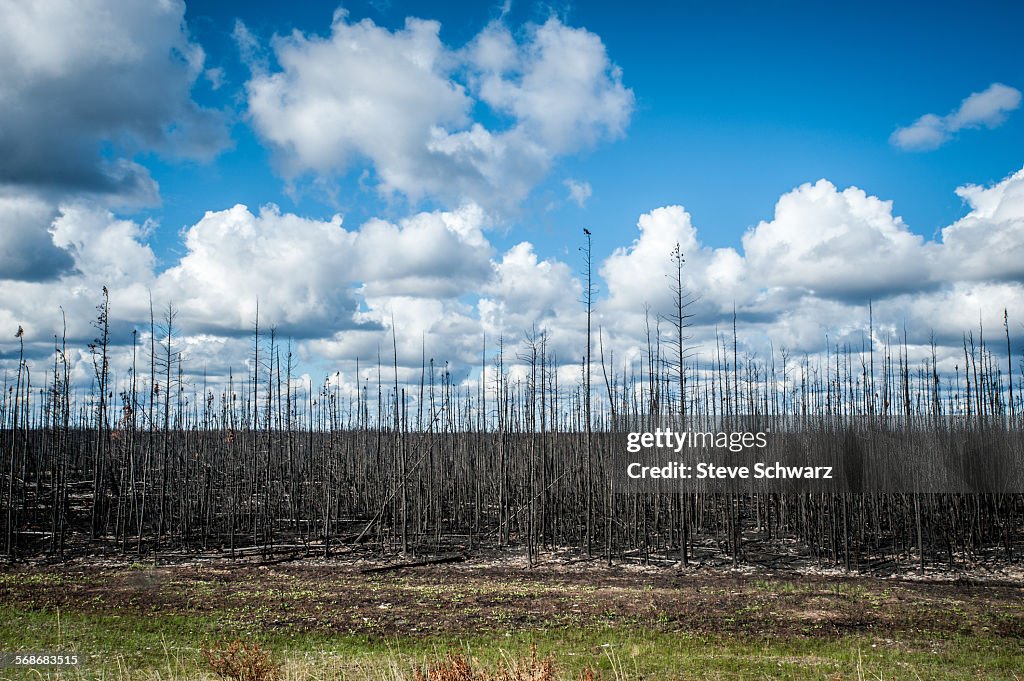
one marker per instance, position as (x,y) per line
(679,320)
(588,299)
(101,368)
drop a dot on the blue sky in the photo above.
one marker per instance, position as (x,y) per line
(431,166)
(736,103)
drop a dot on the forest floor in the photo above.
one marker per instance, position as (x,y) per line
(330,619)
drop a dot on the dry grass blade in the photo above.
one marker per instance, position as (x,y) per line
(241,661)
(458,668)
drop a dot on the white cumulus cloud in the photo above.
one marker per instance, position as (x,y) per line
(836,244)
(988,242)
(406,104)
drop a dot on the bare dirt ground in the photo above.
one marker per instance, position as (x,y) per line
(485,596)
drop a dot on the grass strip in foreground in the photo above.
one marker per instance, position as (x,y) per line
(127,647)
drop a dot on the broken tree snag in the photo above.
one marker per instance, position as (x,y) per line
(457,558)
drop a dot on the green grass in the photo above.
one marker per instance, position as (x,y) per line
(168,647)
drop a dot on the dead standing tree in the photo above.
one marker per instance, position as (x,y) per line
(15,410)
(679,320)
(101,368)
(588,299)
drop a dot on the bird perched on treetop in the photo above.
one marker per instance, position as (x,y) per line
(586,231)
(21,332)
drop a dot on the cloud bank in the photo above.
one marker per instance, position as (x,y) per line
(435,284)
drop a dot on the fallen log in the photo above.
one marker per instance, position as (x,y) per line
(457,558)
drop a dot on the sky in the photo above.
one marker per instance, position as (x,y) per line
(424,171)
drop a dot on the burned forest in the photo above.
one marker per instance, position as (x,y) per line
(151,463)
